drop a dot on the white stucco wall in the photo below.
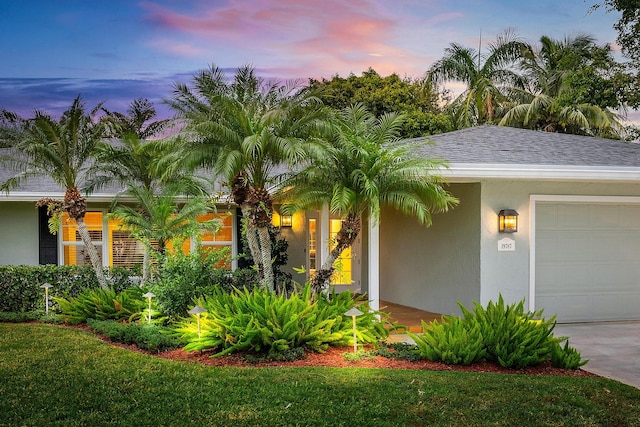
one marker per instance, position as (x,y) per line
(18,233)
(508,272)
(433,268)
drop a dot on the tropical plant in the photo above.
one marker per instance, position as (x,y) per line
(245,129)
(60,150)
(158,219)
(561,75)
(102,304)
(260,321)
(489,78)
(363,167)
(138,121)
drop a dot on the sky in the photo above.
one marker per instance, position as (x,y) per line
(118,50)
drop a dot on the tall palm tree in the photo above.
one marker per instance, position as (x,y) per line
(488,77)
(138,121)
(131,160)
(546,103)
(363,167)
(59,149)
(245,129)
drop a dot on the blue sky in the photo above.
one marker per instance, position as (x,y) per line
(117,50)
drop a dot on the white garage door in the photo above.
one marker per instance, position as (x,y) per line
(587,261)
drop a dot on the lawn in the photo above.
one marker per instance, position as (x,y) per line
(56,376)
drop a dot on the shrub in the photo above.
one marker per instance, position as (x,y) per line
(500,333)
(566,357)
(258,321)
(455,341)
(512,338)
(20,285)
(183,278)
(101,304)
(147,337)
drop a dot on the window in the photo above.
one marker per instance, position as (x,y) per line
(73,249)
(124,251)
(121,248)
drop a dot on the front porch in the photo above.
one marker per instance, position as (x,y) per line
(408,316)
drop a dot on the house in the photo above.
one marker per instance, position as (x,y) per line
(576,251)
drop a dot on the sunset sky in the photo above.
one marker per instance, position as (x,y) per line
(118,50)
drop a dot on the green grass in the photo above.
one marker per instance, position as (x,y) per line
(55,376)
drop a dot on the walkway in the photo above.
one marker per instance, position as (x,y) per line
(408,316)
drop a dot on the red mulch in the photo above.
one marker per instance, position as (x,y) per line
(333,357)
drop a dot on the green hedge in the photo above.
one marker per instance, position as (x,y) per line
(20,285)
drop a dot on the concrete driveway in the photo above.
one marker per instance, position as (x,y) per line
(613,348)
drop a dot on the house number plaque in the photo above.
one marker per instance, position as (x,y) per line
(506,244)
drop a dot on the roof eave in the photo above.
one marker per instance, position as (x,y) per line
(465,171)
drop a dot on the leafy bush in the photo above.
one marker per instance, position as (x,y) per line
(147,337)
(513,338)
(455,341)
(102,304)
(262,322)
(20,285)
(566,357)
(501,333)
(183,278)
(13,317)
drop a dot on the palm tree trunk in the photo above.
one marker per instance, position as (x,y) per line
(146,261)
(265,253)
(346,236)
(252,240)
(92,251)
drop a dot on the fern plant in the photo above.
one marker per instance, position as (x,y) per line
(566,357)
(512,337)
(260,321)
(454,341)
(102,304)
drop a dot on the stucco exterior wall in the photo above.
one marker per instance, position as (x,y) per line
(507,272)
(19,233)
(296,236)
(432,268)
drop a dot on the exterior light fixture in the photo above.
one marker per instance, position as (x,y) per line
(46,287)
(286,220)
(148,296)
(354,312)
(197,310)
(508,221)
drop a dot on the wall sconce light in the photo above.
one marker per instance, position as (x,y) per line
(286,220)
(508,221)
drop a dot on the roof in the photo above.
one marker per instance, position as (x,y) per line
(500,152)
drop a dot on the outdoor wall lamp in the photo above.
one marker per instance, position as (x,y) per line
(286,220)
(508,221)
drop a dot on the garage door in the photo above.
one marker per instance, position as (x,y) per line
(587,261)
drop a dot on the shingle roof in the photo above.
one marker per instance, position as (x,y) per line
(506,145)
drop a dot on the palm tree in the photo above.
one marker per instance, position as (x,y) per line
(547,102)
(363,167)
(244,130)
(158,219)
(488,77)
(137,121)
(60,150)
(132,161)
